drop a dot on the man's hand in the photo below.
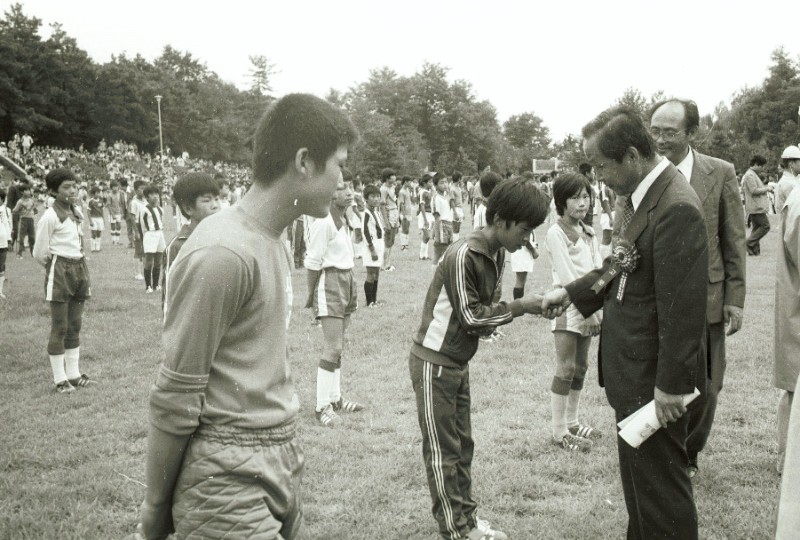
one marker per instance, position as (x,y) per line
(555,302)
(669,407)
(733,316)
(532,303)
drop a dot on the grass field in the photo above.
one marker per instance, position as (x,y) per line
(72,466)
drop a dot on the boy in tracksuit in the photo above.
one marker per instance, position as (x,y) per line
(458,309)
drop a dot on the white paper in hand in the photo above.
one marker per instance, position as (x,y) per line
(637,428)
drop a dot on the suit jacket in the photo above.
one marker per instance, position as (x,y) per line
(653,336)
(714,181)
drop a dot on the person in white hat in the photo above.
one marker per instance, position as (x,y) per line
(790,161)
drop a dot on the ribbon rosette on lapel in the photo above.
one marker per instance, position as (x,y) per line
(626,256)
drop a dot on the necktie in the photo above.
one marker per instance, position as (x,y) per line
(627,214)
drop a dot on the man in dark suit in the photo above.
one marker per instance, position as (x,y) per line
(654,312)
(673,124)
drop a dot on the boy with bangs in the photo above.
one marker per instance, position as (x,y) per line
(459,308)
(197,197)
(222,456)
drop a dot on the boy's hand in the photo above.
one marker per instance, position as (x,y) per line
(532,303)
(555,302)
(155,521)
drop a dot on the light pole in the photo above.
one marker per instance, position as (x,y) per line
(160,133)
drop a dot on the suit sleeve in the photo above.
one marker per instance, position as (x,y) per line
(732,241)
(680,266)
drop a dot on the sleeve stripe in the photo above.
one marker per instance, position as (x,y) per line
(463,297)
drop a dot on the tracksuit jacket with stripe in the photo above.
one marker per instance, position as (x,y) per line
(459,305)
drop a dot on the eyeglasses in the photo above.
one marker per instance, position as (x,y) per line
(666,134)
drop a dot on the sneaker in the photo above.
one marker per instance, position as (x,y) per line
(403,248)
(149,290)
(389,268)
(586,432)
(498,333)
(572,442)
(484,531)
(138,277)
(347,406)
(487,339)
(64,387)
(327,417)
(82,382)
(158,287)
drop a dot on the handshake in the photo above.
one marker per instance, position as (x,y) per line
(551,305)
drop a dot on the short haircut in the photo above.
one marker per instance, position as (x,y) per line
(618,129)
(191,186)
(371,189)
(438,177)
(585,168)
(95,190)
(113,184)
(758,159)
(293,122)
(457,176)
(149,189)
(568,185)
(425,179)
(406,179)
(518,200)
(488,182)
(56,177)
(387,173)
(691,116)
(138,183)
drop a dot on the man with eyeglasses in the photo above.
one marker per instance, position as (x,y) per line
(673,125)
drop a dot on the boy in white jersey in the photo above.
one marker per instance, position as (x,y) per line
(333,295)
(59,249)
(221,446)
(443,217)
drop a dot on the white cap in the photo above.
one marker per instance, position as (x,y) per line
(791,152)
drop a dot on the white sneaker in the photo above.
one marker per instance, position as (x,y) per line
(483,531)
(138,277)
(158,288)
(149,290)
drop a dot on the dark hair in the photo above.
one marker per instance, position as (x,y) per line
(518,200)
(567,185)
(488,182)
(113,184)
(405,179)
(95,190)
(585,168)
(387,173)
(618,129)
(425,179)
(191,186)
(371,189)
(528,175)
(298,121)
(347,174)
(758,159)
(438,177)
(137,184)
(691,115)
(56,177)
(149,189)
(2,195)
(456,176)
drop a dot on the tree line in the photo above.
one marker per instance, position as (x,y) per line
(51,89)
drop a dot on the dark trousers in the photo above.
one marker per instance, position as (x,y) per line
(14,227)
(658,490)
(443,411)
(760,223)
(26,229)
(702,410)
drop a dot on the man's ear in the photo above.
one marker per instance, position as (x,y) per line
(302,162)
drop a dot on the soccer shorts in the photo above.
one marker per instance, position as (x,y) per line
(444,235)
(522,260)
(66,279)
(366,256)
(421,221)
(96,224)
(115,218)
(153,242)
(336,294)
(240,483)
(570,321)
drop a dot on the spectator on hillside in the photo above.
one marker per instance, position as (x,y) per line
(26,210)
(391,215)
(756,203)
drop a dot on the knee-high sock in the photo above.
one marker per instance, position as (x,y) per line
(325,382)
(368,291)
(71,359)
(336,390)
(559,392)
(57,365)
(403,239)
(573,401)
(2,282)
(375,291)
(518,292)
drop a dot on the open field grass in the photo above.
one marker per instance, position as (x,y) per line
(71,466)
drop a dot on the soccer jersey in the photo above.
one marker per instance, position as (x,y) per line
(441,206)
(230,366)
(329,246)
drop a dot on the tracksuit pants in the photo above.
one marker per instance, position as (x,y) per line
(443,411)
